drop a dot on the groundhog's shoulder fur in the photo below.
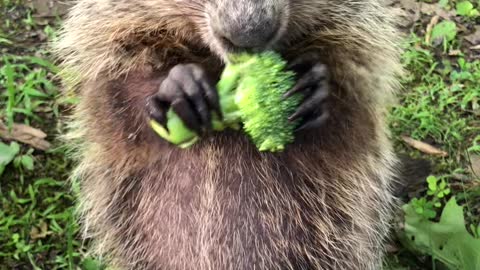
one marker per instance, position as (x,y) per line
(113,37)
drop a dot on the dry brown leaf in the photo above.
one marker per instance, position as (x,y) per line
(409,5)
(474,38)
(49,8)
(40,232)
(390,248)
(25,134)
(435,9)
(477,47)
(428,9)
(34,233)
(461,177)
(424,147)
(430,26)
(475,165)
(408,12)
(454,52)
(405,18)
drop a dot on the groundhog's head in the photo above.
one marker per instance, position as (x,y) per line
(246,24)
(240,25)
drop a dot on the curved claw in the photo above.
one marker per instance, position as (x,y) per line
(315,123)
(314,76)
(312,102)
(156,112)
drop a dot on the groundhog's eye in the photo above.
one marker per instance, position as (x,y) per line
(226,42)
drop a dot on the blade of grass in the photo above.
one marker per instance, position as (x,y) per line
(10,84)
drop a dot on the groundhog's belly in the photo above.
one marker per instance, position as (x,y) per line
(215,206)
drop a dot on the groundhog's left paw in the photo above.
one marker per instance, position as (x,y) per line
(313,83)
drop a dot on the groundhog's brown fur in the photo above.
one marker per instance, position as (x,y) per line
(324,203)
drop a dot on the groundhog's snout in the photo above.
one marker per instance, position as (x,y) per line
(247,25)
(248,35)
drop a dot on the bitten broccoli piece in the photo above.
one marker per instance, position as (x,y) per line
(251,93)
(177,132)
(259,98)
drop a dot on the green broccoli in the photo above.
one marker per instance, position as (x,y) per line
(251,93)
(177,132)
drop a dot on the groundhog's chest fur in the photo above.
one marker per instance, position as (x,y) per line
(221,198)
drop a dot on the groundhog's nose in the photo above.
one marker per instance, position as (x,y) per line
(249,35)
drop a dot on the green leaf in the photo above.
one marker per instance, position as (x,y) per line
(15,237)
(91,264)
(5,41)
(447,240)
(429,213)
(446,30)
(465,8)
(432,183)
(34,92)
(443,3)
(7,154)
(419,210)
(442,184)
(47,182)
(27,162)
(9,74)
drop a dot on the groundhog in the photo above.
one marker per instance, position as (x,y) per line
(323,203)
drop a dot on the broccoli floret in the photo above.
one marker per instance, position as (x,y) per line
(259,98)
(251,93)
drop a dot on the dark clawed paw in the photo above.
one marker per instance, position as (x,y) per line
(313,84)
(190,94)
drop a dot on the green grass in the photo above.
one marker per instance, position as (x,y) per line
(37,225)
(440,100)
(30,90)
(37,229)
(439,104)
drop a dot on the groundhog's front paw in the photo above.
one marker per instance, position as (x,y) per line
(313,83)
(189,93)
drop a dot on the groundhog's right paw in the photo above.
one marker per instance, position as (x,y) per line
(313,83)
(189,93)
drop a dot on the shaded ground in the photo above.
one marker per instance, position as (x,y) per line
(439,108)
